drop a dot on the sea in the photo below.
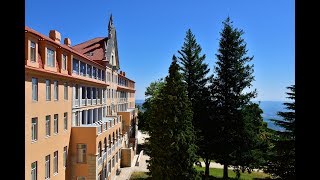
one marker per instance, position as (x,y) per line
(269,108)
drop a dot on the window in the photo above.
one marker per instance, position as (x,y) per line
(65,155)
(55,162)
(75,66)
(102,74)
(48,125)
(89,72)
(47,167)
(82,69)
(64,62)
(34,171)
(32,51)
(56,95)
(50,57)
(81,150)
(94,73)
(109,166)
(112,162)
(55,123)
(48,90)
(117,157)
(66,91)
(34,89)
(99,74)
(34,129)
(99,149)
(65,120)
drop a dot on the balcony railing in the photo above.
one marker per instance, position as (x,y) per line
(104,156)
(109,151)
(94,101)
(112,148)
(89,102)
(83,102)
(99,161)
(76,102)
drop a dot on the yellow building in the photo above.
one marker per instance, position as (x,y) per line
(80,120)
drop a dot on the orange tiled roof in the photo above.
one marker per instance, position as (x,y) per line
(94,46)
(62,45)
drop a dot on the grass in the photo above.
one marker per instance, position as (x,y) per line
(214,173)
(218,174)
(139,175)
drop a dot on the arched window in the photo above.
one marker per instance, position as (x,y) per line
(99,149)
(105,144)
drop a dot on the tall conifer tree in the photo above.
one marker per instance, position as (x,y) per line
(171,145)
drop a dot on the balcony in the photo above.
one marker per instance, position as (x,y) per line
(94,101)
(109,151)
(99,129)
(89,102)
(112,148)
(83,102)
(104,126)
(76,102)
(104,156)
(99,101)
(99,161)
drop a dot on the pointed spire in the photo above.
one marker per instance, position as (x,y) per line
(110,22)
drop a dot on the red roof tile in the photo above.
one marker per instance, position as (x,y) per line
(94,46)
(62,45)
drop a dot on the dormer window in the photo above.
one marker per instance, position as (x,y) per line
(32,51)
(50,57)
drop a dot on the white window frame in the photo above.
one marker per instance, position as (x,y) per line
(33,56)
(34,174)
(50,54)
(56,90)
(64,62)
(48,125)
(55,162)
(48,90)
(55,123)
(65,91)
(34,129)
(34,89)
(65,121)
(47,167)
(65,155)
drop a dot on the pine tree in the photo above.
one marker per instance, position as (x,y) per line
(233,76)
(194,72)
(282,157)
(171,145)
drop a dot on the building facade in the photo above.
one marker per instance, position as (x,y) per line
(81,120)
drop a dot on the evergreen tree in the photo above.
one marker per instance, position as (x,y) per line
(194,72)
(233,76)
(282,157)
(171,145)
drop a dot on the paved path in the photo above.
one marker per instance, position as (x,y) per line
(127,171)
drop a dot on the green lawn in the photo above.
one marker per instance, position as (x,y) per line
(214,173)
(218,173)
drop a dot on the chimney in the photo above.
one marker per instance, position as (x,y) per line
(67,41)
(124,73)
(55,35)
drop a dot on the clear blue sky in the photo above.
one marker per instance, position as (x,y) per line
(150,32)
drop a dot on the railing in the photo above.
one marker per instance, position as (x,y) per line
(99,161)
(83,102)
(104,156)
(76,102)
(89,102)
(99,101)
(109,151)
(99,130)
(105,126)
(112,148)
(94,101)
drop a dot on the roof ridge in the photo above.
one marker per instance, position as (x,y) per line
(88,40)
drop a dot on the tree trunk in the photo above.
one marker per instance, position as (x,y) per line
(225,171)
(206,173)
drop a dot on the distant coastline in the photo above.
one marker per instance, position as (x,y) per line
(269,108)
